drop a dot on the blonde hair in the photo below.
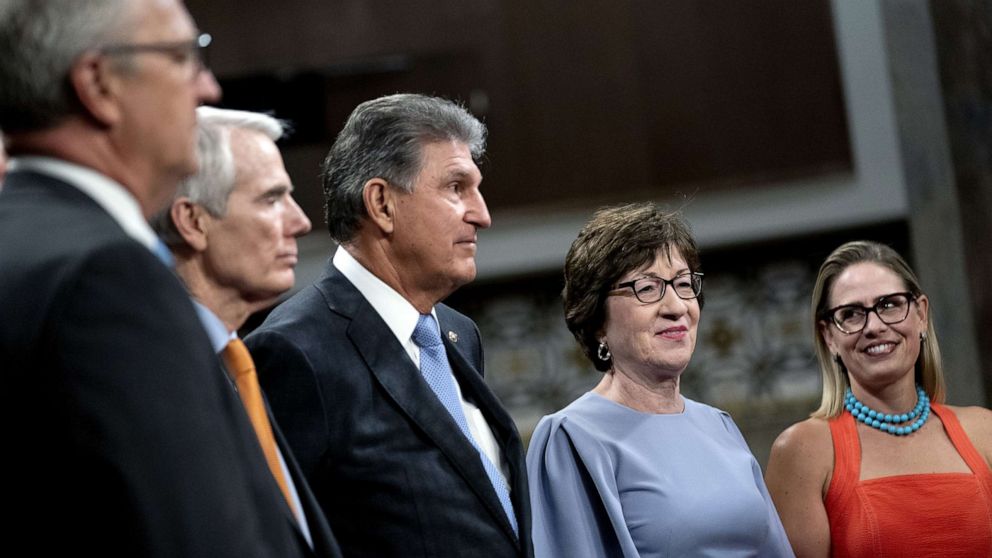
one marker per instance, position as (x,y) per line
(929,372)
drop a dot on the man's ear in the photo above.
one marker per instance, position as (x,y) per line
(380,204)
(96,87)
(191,221)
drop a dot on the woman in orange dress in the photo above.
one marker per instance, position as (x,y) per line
(883,467)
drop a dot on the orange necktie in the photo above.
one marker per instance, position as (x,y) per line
(240,364)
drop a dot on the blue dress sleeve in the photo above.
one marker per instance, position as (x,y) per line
(776,543)
(570,515)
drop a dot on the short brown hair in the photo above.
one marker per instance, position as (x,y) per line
(615,241)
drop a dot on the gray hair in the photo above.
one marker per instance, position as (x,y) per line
(383,139)
(211,186)
(40,41)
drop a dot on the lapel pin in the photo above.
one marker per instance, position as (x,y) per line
(452,336)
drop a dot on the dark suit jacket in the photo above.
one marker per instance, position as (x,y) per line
(122,436)
(324,543)
(385,459)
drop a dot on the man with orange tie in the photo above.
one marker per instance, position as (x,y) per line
(232,229)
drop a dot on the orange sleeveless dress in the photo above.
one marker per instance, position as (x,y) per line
(935,514)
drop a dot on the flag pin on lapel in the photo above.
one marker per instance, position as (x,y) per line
(452,336)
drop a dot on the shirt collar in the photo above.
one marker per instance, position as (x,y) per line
(109,194)
(396,311)
(216,330)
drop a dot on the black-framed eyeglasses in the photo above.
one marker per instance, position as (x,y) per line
(192,51)
(687,286)
(852,318)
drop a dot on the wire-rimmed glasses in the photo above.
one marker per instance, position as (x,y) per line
(190,52)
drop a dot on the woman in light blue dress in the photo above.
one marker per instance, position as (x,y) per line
(633,468)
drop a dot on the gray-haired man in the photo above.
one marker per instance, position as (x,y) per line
(232,228)
(378,385)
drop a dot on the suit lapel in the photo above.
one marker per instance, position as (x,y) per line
(471,382)
(475,388)
(392,368)
(259,456)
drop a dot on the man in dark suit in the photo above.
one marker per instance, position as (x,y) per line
(377,385)
(123,437)
(232,228)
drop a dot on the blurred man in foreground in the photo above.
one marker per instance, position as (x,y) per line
(123,437)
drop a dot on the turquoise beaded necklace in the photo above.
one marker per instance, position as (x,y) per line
(890,423)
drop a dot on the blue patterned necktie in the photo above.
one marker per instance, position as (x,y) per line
(436,370)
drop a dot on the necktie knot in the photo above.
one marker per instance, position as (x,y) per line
(426,334)
(238,359)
